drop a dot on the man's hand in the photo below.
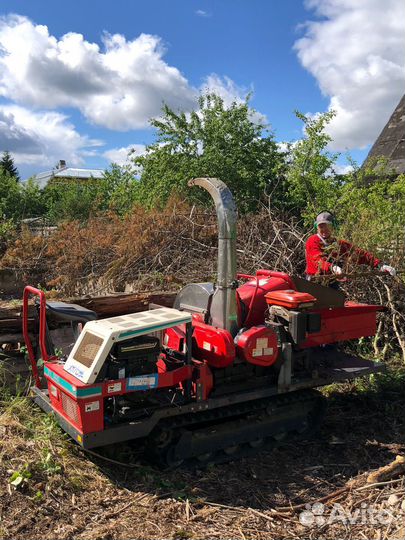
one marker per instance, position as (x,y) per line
(336,270)
(389,269)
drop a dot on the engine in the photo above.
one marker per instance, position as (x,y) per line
(136,356)
(254,342)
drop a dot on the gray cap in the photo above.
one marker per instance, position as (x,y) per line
(324,217)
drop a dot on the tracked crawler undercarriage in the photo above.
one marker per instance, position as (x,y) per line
(230,369)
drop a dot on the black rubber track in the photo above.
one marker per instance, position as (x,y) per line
(229,433)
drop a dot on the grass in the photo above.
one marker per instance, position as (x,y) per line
(31,428)
(374,385)
(45,478)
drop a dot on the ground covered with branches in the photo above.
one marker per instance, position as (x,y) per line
(316,488)
(143,229)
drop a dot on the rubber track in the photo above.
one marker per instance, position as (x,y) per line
(229,433)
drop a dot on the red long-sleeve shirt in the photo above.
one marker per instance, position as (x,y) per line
(321,255)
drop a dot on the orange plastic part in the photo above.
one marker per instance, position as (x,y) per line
(290,299)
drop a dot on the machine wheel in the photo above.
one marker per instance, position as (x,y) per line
(231,450)
(205,458)
(258,443)
(280,436)
(237,431)
(161,448)
(163,438)
(171,461)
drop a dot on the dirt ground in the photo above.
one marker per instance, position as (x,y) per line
(271,495)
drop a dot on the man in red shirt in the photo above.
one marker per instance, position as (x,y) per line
(325,254)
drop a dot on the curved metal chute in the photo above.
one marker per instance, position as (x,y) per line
(223,306)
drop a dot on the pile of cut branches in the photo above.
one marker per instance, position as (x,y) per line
(151,248)
(166,249)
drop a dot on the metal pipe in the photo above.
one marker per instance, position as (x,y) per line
(223,306)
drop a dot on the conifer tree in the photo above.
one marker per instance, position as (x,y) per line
(7,165)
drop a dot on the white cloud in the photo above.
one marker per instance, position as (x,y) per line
(230,92)
(356,51)
(120,155)
(42,138)
(120,87)
(343,169)
(226,88)
(202,13)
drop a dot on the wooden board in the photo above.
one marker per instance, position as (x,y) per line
(125,303)
(104,306)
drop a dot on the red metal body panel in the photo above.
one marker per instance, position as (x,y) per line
(290,299)
(352,321)
(214,345)
(204,381)
(252,294)
(85,413)
(174,338)
(258,345)
(82,405)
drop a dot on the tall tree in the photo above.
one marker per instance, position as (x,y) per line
(231,143)
(7,164)
(313,184)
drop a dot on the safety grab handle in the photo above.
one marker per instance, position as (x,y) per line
(28,290)
(269,273)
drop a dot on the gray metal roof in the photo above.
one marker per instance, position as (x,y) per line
(68,172)
(79,173)
(391,141)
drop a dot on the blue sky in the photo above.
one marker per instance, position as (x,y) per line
(79,80)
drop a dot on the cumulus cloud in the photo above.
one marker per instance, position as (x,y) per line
(38,138)
(202,13)
(230,92)
(225,87)
(356,51)
(343,169)
(120,155)
(119,87)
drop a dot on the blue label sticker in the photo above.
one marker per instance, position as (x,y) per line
(76,372)
(143,382)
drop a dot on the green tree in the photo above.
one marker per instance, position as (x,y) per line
(216,141)
(71,199)
(313,184)
(19,200)
(118,189)
(78,199)
(373,214)
(33,203)
(10,197)
(7,165)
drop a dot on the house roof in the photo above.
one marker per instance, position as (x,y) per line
(391,142)
(68,172)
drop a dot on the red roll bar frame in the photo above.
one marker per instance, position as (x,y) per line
(42,330)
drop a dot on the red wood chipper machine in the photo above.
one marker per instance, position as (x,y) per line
(231,368)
